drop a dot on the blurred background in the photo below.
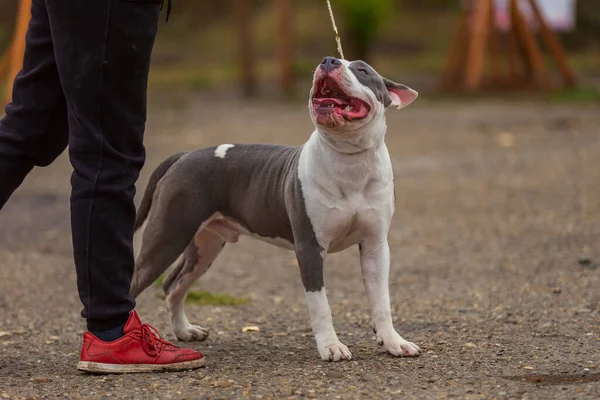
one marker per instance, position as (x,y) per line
(266,48)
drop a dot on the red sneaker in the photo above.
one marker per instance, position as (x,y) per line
(141,349)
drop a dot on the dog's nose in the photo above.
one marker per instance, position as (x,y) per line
(330,63)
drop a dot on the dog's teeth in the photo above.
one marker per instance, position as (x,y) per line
(348,108)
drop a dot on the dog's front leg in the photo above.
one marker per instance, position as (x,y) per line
(310,260)
(375,264)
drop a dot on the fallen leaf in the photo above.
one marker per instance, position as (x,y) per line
(252,328)
(41,379)
(4,333)
(505,139)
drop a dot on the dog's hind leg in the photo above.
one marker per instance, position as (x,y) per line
(173,221)
(197,258)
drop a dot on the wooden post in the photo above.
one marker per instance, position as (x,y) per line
(17,49)
(283,9)
(243,16)
(476,36)
(532,51)
(456,55)
(479,36)
(512,54)
(554,45)
(494,49)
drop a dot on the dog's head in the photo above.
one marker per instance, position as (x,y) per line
(349,98)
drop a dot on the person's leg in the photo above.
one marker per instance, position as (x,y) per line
(34,130)
(103,51)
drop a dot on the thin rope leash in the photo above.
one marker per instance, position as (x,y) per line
(335,29)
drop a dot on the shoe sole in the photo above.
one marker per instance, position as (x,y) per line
(102,368)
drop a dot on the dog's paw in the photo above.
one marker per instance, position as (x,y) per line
(395,345)
(335,352)
(191,333)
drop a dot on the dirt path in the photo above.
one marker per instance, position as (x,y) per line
(498,205)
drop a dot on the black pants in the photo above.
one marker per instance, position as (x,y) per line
(83,84)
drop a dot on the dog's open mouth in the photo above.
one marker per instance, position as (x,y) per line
(328,97)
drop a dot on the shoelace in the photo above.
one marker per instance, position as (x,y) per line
(152,341)
(169,7)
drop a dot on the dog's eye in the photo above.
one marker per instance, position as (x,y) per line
(364,71)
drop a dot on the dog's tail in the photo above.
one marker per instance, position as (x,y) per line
(156,176)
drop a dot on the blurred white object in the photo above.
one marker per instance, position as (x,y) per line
(558,14)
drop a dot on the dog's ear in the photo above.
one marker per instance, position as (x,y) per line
(401,95)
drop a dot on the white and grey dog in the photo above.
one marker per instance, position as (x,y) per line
(335,191)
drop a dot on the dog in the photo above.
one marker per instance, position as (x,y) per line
(333,192)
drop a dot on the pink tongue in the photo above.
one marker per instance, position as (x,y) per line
(358,111)
(328,101)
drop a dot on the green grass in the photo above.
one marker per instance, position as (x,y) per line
(160,280)
(575,95)
(585,62)
(203,297)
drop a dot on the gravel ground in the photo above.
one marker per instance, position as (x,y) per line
(495,252)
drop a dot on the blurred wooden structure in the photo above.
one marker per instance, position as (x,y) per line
(285,46)
(247,62)
(527,68)
(11,61)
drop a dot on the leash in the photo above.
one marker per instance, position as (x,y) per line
(335,30)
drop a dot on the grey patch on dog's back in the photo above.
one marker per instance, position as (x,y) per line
(370,78)
(256,185)
(248,186)
(259,187)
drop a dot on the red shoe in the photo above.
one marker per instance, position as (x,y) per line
(141,349)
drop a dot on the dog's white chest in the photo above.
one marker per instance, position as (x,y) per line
(347,205)
(346,221)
